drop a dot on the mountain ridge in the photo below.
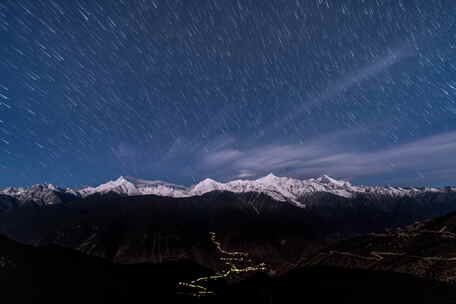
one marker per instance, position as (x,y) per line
(285,189)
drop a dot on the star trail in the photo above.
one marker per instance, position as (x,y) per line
(182,90)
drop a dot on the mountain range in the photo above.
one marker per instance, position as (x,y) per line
(323,238)
(117,223)
(279,188)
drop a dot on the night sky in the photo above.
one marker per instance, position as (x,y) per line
(183,90)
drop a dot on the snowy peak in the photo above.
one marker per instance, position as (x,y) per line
(269,177)
(325,179)
(41,194)
(206,185)
(133,186)
(122,180)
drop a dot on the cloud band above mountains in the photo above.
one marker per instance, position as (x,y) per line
(431,158)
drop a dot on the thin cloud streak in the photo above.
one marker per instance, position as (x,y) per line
(336,88)
(362,74)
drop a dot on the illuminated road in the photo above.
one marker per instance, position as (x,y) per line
(232,260)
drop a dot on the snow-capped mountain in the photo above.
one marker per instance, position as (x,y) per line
(279,188)
(291,189)
(44,194)
(133,186)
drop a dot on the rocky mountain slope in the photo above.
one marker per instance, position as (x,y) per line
(161,229)
(157,229)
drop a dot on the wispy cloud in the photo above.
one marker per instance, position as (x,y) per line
(428,159)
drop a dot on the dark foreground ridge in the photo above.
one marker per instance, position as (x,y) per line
(56,275)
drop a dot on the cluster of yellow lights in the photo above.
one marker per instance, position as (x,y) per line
(197,287)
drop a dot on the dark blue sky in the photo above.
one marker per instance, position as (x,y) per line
(182,90)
